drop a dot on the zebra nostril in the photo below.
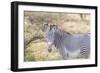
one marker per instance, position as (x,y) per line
(49,50)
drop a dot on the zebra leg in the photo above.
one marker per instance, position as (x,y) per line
(85,48)
(85,52)
(63,53)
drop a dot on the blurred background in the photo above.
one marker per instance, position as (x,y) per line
(35,45)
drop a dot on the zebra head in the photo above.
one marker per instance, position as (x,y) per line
(48,26)
(50,34)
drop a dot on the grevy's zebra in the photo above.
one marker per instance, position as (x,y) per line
(69,45)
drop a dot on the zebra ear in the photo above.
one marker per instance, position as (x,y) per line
(50,27)
(55,26)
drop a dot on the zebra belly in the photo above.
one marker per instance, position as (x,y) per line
(74,53)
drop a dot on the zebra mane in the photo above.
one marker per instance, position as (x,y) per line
(63,31)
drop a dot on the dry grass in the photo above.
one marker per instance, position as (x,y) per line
(37,50)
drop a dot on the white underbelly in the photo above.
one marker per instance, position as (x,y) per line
(74,53)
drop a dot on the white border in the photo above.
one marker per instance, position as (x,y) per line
(22,64)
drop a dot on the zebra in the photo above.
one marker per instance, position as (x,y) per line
(69,45)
